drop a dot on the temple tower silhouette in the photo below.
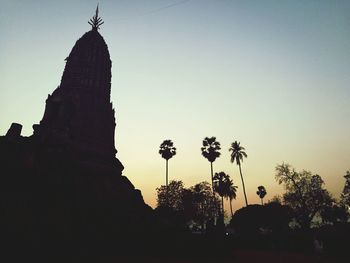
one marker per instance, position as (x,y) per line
(79,113)
(64,184)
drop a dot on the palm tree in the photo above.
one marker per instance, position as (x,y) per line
(167,151)
(238,152)
(210,151)
(261,193)
(231,194)
(220,186)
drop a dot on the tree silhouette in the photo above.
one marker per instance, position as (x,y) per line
(205,202)
(194,206)
(171,196)
(237,155)
(345,195)
(304,193)
(210,151)
(232,189)
(333,214)
(250,219)
(261,193)
(221,186)
(167,151)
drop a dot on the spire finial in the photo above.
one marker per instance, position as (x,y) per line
(96,21)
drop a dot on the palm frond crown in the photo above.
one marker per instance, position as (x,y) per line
(237,153)
(232,190)
(167,149)
(210,149)
(261,191)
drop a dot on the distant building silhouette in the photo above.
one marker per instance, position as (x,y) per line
(64,184)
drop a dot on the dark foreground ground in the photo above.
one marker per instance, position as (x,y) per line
(238,256)
(181,251)
(184,247)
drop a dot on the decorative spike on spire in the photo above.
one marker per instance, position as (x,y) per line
(96,21)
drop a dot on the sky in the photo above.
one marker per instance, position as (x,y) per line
(273,75)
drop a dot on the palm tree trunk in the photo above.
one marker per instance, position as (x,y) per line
(245,195)
(166,181)
(262,202)
(212,176)
(231,207)
(166,174)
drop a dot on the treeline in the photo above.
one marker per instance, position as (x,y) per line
(306,202)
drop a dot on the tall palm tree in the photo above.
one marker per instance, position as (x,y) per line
(237,155)
(167,151)
(210,150)
(261,193)
(220,186)
(231,194)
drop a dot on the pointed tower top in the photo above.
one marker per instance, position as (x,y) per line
(96,21)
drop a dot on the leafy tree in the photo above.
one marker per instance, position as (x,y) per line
(277,216)
(276,199)
(247,220)
(205,203)
(179,205)
(171,195)
(252,218)
(210,151)
(261,193)
(221,186)
(345,195)
(333,214)
(232,189)
(167,151)
(237,155)
(304,193)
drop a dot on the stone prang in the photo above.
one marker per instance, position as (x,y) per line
(63,186)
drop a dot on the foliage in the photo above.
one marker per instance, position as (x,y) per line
(276,199)
(253,219)
(277,216)
(210,149)
(345,195)
(225,188)
(167,149)
(336,213)
(205,203)
(261,192)
(232,189)
(172,196)
(196,204)
(221,186)
(304,193)
(237,155)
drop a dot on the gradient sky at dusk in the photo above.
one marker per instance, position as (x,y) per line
(273,75)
